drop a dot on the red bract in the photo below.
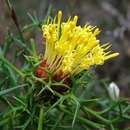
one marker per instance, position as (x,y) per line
(40,72)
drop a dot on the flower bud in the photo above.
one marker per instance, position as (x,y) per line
(113,91)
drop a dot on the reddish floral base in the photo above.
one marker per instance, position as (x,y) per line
(41,73)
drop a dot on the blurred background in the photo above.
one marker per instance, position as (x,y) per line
(112,16)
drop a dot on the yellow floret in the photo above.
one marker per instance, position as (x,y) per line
(71,48)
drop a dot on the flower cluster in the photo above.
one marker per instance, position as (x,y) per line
(71,48)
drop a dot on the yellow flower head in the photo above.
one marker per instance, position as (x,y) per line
(71,48)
